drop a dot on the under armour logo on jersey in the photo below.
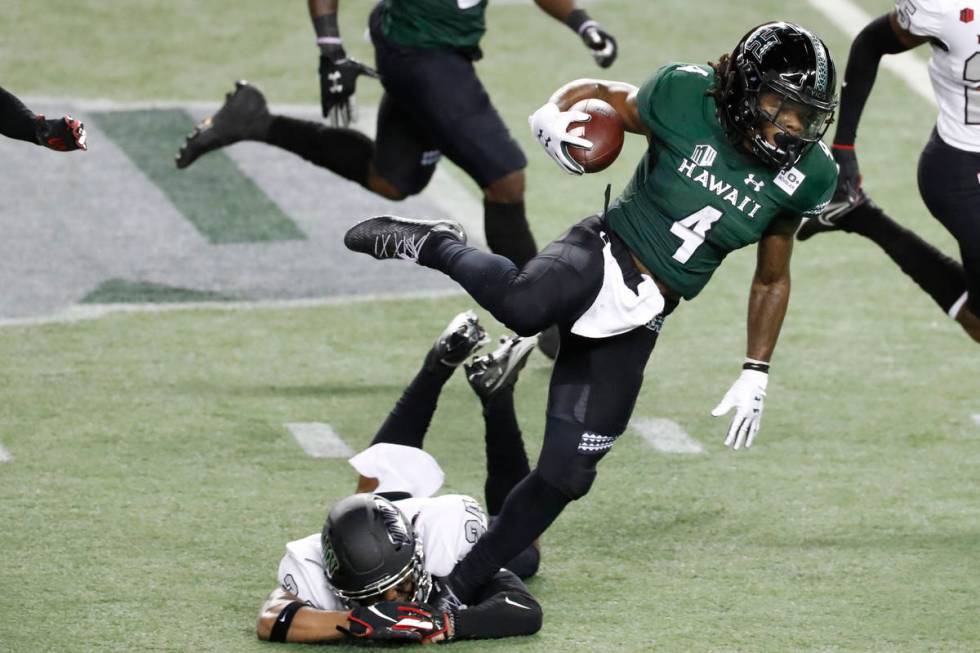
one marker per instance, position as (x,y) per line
(704,155)
(335,78)
(750,181)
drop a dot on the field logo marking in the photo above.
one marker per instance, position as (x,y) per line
(319,440)
(666,435)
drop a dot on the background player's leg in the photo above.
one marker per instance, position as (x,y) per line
(346,152)
(493,378)
(593,389)
(948,184)
(443,93)
(938,275)
(504,219)
(409,420)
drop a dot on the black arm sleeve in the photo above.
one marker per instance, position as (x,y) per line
(16,120)
(874,41)
(505,608)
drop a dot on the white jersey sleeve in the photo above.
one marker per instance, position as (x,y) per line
(954,68)
(448,525)
(301,573)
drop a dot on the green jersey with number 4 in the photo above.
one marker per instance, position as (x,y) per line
(695,197)
(447,24)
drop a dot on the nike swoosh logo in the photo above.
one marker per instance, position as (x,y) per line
(515,603)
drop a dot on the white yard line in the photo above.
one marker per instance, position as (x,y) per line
(666,435)
(5,455)
(976,419)
(319,440)
(851,19)
(85,312)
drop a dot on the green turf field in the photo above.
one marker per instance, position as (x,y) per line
(153,484)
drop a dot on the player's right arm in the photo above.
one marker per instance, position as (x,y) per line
(884,35)
(307,624)
(63,134)
(549,124)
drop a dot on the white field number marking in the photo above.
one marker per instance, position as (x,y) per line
(692,231)
(319,440)
(5,455)
(666,435)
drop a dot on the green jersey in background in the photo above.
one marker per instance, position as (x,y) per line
(695,197)
(446,24)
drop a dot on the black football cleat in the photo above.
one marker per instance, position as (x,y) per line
(834,215)
(391,237)
(499,369)
(458,341)
(244,116)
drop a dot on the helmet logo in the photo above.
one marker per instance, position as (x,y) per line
(761,42)
(330,563)
(395,524)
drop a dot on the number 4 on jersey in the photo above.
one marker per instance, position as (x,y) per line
(692,231)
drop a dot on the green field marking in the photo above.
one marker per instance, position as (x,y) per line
(121,291)
(223,204)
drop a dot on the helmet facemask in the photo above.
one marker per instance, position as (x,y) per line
(798,125)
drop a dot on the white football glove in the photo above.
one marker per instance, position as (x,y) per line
(549,124)
(746,397)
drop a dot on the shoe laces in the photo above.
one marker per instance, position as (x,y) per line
(407,247)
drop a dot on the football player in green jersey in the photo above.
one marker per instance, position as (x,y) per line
(434,104)
(734,158)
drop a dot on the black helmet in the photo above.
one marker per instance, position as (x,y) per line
(369,546)
(793,64)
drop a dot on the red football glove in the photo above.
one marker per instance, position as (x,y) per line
(63,135)
(397,620)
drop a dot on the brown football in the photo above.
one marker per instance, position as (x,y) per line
(605,130)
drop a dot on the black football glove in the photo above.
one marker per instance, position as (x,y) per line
(601,42)
(397,621)
(63,134)
(849,177)
(338,77)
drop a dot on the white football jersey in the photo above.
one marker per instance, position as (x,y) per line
(955,72)
(448,525)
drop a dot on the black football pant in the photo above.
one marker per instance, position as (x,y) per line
(594,384)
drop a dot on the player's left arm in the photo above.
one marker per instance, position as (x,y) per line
(768,301)
(600,42)
(884,35)
(504,608)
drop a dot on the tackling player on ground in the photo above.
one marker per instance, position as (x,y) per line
(734,158)
(434,104)
(373,573)
(18,122)
(949,167)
